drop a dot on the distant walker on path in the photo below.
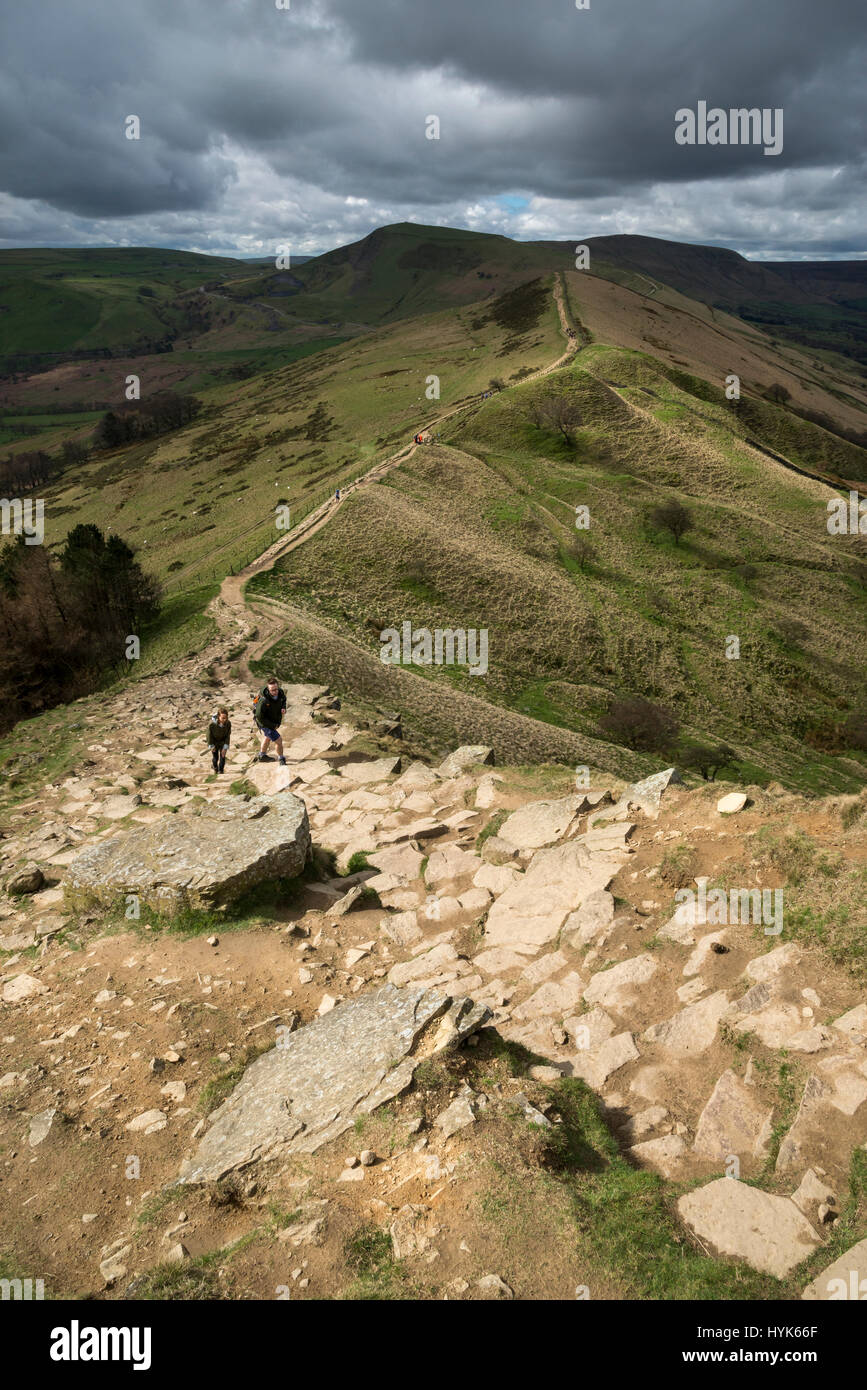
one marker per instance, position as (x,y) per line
(219,737)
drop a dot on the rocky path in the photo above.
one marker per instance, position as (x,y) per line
(554,927)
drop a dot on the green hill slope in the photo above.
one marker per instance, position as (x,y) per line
(477,536)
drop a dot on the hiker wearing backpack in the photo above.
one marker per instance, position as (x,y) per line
(219,736)
(268,710)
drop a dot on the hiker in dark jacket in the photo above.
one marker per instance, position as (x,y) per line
(270,709)
(219,736)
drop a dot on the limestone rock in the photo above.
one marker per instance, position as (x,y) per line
(540,822)
(458,1115)
(496,851)
(593,916)
(28,879)
(854,1022)
(148,1122)
(532,911)
(450,864)
(204,861)
(597,1063)
(370,771)
(552,999)
(663,1155)
(465,756)
(412,1231)
(495,878)
(401,860)
(296,1097)
(766,968)
(733,1121)
(348,901)
(402,928)
(491,1286)
(846,1278)
(734,801)
(618,986)
(22,987)
(693,1029)
(40,1127)
(811,1193)
(745,1223)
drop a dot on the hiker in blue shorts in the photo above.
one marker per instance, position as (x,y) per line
(268,714)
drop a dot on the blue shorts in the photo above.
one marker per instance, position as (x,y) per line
(272,734)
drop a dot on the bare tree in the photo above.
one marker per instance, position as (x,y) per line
(582,550)
(672,516)
(557,413)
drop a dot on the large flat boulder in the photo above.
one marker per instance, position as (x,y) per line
(530,913)
(734,1121)
(312,1087)
(200,862)
(743,1222)
(540,822)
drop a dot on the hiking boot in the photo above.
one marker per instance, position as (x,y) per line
(282,762)
(263,758)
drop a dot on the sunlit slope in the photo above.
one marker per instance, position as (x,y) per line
(477,536)
(202,501)
(711,344)
(56,301)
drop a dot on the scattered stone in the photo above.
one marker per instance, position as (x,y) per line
(348,900)
(734,801)
(466,756)
(491,1286)
(664,1155)
(530,913)
(617,987)
(402,928)
(368,1158)
(28,879)
(148,1122)
(22,987)
(846,1278)
(540,822)
(693,1029)
(40,1127)
(593,916)
(497,852)
(733,1121)
(458,1115)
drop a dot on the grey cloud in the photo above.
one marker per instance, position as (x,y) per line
(327,101)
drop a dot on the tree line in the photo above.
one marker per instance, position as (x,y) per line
(65,619)
(159,414)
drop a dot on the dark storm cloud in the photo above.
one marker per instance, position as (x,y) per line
(259,122)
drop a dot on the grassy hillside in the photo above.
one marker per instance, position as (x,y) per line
(477,535)
(202,501)
(398,272)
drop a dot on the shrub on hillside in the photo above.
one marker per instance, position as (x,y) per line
(707,759)
(640,724)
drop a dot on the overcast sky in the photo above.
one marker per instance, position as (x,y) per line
(306,126)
